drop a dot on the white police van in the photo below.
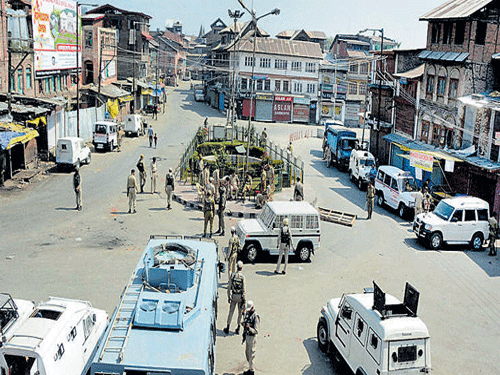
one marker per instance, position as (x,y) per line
(395,188)
(261,234)
(375,333)
(361,164)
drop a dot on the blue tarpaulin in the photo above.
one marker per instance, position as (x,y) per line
(7,137)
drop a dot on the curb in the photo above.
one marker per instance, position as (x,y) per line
(199,207)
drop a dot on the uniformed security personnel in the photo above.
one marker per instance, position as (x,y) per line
(77,186)
(370,199)
(232,252)
(222,207)
(142,172)
(154,175)
(132,189)
(285,242)
(251,325)
(236,295)
(263,138)
(263,177)
(169,186)
(270,180)
(234,185)
(216,182)
(205,175)
(208,211)
(209,187)
(298,192)
(493,224)
(247,187)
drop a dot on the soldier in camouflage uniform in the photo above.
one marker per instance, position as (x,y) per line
(236,295)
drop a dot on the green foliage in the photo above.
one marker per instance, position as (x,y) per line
(213,148)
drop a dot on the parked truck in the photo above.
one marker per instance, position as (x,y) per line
(337,147)
(199,94)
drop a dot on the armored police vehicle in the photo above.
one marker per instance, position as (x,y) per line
(395,188)
(375,334)
(261,234)
(361,167)
(338,145)
(165,321)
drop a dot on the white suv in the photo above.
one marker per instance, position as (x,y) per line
(395,188)
(361,164)
(455,221)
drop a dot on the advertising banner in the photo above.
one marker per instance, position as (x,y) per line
(54,34)
(420,160)
(282,108)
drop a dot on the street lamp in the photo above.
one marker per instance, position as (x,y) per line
(381,31)
(78,66)
(275,11)
(230,113)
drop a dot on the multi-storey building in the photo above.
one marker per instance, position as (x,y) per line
(304,36)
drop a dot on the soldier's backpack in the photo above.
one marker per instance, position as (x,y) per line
(285,236)
(237,284)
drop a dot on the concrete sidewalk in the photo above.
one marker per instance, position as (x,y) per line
(186,194)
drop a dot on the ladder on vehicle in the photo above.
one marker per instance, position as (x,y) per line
(338,217)
(122,323)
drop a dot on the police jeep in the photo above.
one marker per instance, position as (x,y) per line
(261,234)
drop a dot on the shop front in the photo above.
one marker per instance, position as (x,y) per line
(301,108)
(282,108)
(264,107)
(246,108)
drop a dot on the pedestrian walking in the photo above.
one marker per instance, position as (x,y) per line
(419,197)
(493,225)
(150,135)
(370,199)
(169,187)
(233,249)
(222,207)
(298,191)
(119,137)
(263,138)
(270,180)
(154,175)
(251,325)
(142,172)
(426,202)
(285,242)
(155,111)
(132,189)
(236,296)
(155,138)
(208,212)
(77,185)
(290,147)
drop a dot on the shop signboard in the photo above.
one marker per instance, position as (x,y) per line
(282,108)
(54,34)
(421,160)
(327,87)
(298,100)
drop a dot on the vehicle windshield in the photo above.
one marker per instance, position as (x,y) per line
(100,129)
(348,144)
(266,216)
(367,162)
(408,184)
(443,210)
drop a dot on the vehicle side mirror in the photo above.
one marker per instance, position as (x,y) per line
(454,219)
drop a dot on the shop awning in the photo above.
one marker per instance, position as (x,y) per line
(10,134)
(38,121)
(407,144)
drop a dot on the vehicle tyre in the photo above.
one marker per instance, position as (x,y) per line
(360,184)
(435,241)
(380,199)
(322,336)
(477,241)
(351,176)
(303,253)
(77,164)
(402,210)
(328,158)
(251,253)
(87,161)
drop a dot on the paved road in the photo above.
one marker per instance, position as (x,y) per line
(48,249)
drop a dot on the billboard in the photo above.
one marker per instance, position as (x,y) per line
(54,34)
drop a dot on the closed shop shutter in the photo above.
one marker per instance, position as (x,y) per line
(282,109)
(263,110)
(246,108)
(300,113)
(221,101)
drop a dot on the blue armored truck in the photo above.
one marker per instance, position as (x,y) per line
(338,144)
(165,322)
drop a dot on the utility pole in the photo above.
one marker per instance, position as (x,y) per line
(380,88)
(156,84)
(9,73)
(100,64)
(77,71)
(230,113)
(133,65)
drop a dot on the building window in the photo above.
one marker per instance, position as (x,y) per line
(249,61)
(286,86)
(362,89)
(28,78)
(430,85)
(447,30)
(435,32)
(441,84)
(435,135)
(297,87)
(244,83)
(58,83)
(277,85)
(425,131)
(353,88)
(481,32)
(265,62)
(259,85)
(311,88)
(47,85)
(364,68)
(353,68)
(452,93)
(310,67)
(459,32)
(267,85)
(296,66)
(20,76)
(280,64)
(88,39)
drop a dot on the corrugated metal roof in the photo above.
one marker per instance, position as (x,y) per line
(357,54)
(281,47)
(424,54)
(443,56)
(454,9)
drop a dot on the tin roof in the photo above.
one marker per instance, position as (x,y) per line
(281,47)
(455,9)
(443,56)
(290,34)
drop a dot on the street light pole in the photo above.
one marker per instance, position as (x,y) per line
(275,11)
(230,113)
